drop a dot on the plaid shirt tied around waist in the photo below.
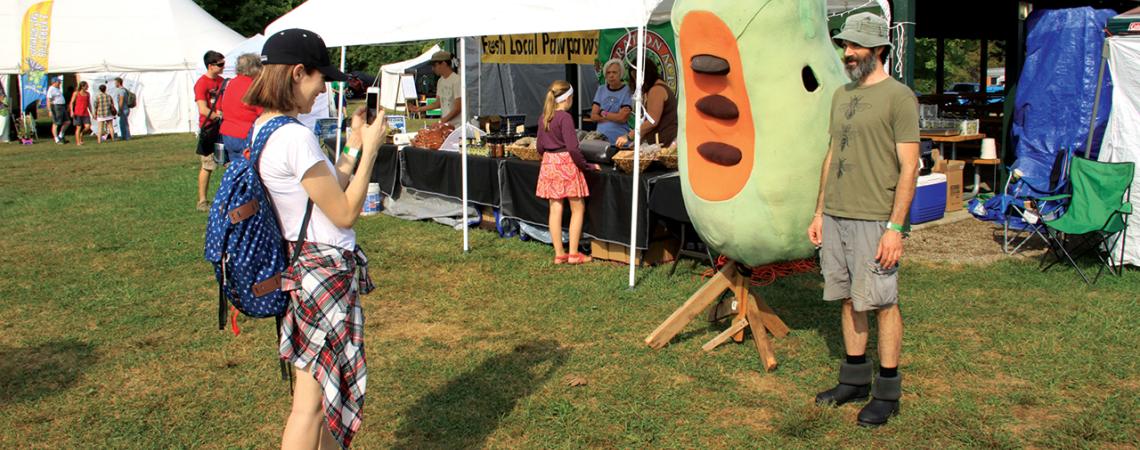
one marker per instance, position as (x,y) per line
(324,328)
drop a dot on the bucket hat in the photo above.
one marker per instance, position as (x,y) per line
(866,29)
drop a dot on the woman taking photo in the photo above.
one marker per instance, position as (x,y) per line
(322,331)
(560,176)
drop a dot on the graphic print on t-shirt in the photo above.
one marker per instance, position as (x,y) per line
(856,105)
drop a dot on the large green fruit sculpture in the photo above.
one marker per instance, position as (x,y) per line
(756,85)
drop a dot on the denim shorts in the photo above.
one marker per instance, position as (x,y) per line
(235,148)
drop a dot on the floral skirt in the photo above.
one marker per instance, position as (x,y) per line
(560,178)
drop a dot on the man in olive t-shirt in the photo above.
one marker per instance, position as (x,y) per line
(865,191)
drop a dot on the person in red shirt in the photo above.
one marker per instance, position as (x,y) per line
(206,91)
(239,116)
(81,111)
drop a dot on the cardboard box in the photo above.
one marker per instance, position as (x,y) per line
(660,251)
(953,171)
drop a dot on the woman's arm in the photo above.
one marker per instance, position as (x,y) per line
(596,113)
(71,104)
(346,163)
(342,206)
(654,105)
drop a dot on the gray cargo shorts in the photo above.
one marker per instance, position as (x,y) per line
(847,261)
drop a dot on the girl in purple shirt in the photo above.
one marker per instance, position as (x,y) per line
(561,174)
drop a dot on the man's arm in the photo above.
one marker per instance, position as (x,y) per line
(815,230)
(890,245)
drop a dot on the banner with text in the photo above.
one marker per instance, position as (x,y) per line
(541,48)
(35,39)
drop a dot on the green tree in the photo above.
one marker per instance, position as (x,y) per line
(247,17)
(962,62)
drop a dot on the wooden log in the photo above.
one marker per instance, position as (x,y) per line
(760,337)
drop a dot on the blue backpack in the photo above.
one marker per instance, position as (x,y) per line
(243,238)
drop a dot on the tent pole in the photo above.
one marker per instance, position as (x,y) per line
(340,108)
(636,154)
(463,134)
(578,68)
(1096,99)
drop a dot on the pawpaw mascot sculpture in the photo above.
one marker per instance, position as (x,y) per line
(755,90)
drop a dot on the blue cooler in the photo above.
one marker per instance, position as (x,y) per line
(929,199)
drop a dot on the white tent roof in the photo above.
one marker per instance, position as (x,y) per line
(462,18)
(133,35)
(11,18)
(251,45)
(399,67)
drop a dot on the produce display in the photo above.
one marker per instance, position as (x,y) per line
(433,136)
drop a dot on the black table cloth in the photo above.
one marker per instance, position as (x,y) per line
(441,172)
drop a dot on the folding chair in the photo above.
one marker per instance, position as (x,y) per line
(1023,204)
(1098,213)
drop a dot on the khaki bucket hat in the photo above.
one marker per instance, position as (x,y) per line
(866,29)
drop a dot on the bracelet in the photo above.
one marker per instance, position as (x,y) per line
(352,152)
(896,227)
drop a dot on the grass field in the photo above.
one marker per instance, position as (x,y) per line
(111,341)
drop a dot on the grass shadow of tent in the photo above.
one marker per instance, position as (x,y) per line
(462,413)
(31,373)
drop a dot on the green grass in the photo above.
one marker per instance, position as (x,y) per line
(110,338)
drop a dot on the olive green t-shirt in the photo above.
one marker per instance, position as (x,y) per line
(866,123)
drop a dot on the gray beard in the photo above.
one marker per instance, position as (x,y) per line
(862,69)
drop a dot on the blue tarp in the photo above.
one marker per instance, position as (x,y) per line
(1057,87)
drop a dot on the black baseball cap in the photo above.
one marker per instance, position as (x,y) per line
(297,46)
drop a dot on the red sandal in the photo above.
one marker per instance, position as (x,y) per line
(561,259)
(578,258)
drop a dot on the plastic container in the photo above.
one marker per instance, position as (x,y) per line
(929,199)
(372,200)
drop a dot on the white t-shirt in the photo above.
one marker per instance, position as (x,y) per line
(55,96)
(288,154)
(448,89)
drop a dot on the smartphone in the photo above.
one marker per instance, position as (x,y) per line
(372,101)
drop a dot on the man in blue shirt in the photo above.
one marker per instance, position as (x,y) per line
(612,103)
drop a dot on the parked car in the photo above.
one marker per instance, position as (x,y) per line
(972,88)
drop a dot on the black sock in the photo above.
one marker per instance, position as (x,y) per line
(888,372)
(856,359)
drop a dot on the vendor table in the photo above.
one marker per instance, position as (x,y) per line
(607,209)
(510,184)
(441,172)
(953,140)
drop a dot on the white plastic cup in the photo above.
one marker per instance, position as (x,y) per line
(989,148)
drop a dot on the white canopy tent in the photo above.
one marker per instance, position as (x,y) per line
(157,55)
(391,76)
(11,19)
(1123,130)
(464,18)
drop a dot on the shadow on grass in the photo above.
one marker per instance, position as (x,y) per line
(31,373)
(798,301)
(462,413)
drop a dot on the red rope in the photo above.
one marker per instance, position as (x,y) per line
(769,273)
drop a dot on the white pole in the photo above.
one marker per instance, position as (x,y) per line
(463,134)
(340,107)
(636,154)
(578,67)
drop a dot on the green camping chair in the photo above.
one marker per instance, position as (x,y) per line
(1098,214)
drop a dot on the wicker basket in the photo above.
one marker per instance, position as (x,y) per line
(669,161)
(524,153)
(624,161)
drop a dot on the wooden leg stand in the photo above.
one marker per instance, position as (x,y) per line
(751,312)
